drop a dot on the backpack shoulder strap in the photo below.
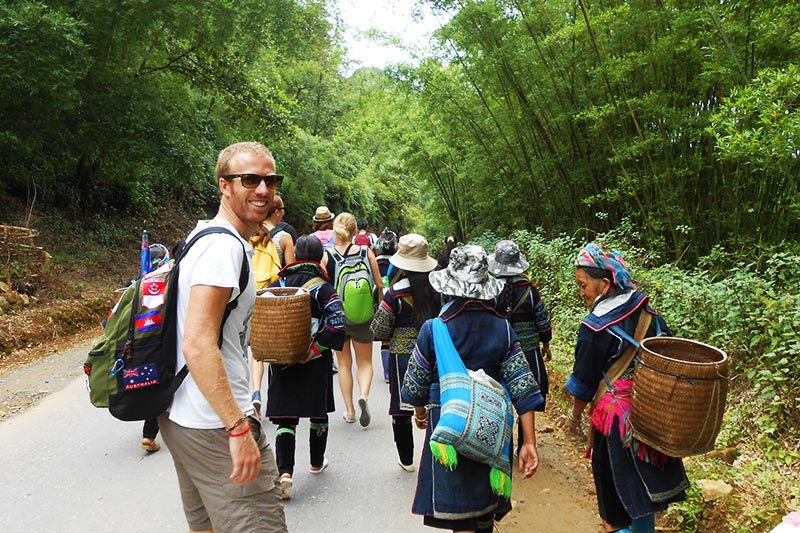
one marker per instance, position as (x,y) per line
(277,229)
(244,273)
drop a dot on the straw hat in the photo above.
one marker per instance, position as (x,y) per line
(323,214)
(412,254)
(466,275)
(507,260)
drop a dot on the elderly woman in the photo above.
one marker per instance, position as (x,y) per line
(521,303)
(633,481)
(463,498)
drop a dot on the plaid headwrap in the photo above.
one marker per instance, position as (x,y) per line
(594,256)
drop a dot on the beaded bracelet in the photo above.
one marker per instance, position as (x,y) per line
(572,420)
(418,419)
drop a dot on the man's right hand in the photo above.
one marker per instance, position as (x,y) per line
(246,458)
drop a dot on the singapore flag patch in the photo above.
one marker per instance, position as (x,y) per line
(153,290)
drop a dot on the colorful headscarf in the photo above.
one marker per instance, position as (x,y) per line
(594,256)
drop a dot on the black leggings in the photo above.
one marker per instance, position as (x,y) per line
(403,438)
(285,442)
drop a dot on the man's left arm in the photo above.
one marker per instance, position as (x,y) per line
(204,359)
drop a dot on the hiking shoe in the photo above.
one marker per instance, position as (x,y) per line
(349,418)
(256,403)
(407,468)
(150,445)
(364,418)
(286,486)
(320,468)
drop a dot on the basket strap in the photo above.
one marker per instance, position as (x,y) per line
(619,367)
(316,281)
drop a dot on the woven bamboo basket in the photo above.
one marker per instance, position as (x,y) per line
(679,392)
(280,331)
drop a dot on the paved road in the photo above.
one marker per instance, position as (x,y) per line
(69,467)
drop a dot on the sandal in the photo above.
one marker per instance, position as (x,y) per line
(150,445)
(286,486)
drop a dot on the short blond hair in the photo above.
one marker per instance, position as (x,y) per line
(225,156)
(344,226)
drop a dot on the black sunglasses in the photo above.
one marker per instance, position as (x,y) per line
(251,181)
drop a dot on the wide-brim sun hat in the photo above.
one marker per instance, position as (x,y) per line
(323,214)
(466,275)
(507,260)
(412,254)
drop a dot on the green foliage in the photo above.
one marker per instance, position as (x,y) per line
(571,116)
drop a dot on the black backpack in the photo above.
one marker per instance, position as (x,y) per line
(131,369)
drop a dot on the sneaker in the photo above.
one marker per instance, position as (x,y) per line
(257,403)
(407,468)
(150,445)
(349,418)
(319,470)
(364,419)
(286,486)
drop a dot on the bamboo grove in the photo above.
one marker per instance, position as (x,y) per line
(677,117)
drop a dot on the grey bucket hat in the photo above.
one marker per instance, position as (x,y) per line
(507,260)
(467,275)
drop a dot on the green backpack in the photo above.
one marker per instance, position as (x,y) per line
(355,285)
(131,370)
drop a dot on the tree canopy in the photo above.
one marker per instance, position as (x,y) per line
(673,117)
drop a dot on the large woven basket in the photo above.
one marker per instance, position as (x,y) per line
(280,331)
(679,392)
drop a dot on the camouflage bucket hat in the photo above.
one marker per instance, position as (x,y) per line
(507,260)
(467,275)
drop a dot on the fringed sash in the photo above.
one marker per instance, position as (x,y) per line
(615,405)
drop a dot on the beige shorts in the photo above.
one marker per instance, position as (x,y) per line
(359,332)
(210,499)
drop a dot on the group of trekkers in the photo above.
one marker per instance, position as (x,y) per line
(469,320)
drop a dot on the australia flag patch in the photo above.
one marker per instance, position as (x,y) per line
(148,321)
(140,376)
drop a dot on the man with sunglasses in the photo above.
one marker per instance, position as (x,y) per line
(226,471)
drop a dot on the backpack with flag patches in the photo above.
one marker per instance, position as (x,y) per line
(131,370)
(355,285)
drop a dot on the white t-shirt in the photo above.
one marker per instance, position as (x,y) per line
(215,260)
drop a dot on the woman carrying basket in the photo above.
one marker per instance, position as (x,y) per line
(405,307)
(465,496)
(633,481)
(305,390)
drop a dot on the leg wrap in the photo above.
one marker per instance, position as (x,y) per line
(403,438)
(284,448)
(318,440)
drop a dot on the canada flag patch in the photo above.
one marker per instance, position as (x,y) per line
(148,321)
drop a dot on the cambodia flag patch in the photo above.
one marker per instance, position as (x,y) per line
(148,321)
(140,376)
